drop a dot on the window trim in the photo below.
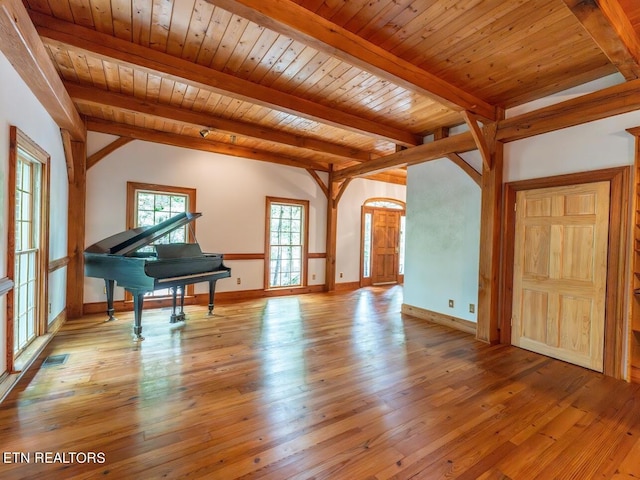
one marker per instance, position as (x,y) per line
(267,243)
(19,140)
(132,187)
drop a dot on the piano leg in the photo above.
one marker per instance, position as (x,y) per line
(174,292)
(138,299)
(212,290)
(182,287)
(109,284)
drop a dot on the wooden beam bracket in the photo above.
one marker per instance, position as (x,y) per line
(103,152)
(319,181)
(485,140)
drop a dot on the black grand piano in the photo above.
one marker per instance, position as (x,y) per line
(117,259)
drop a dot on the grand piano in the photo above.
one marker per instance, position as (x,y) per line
(118,259)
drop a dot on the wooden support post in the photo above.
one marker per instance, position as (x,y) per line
(489,268)
(492,152)
(76,231)
(332,233)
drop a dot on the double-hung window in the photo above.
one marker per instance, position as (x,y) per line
(287,238)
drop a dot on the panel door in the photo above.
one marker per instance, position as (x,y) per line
(386,246)
(560,269)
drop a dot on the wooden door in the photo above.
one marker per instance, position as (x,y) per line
(560,272)
(386,246)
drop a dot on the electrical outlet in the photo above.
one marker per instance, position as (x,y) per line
(472,308)
(313,276)
(450,303)
(49,308)
(238,281)
(340,274)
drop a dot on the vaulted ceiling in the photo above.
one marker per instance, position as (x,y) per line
(323,84)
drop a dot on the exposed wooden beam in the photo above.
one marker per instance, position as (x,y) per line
(610,28)
(76,212)
(24,49)
(136,56)
(614,100)
(332,234)
(478,135)
(68,153)
(103,152)
(319,181)
(194,143)
(388,177)
(587,108)
(288,18)
(96,97)
(463,142)
(489,263)
(342,187)
(468,169)
(476,176)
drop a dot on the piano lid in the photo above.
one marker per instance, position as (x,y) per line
(127,242)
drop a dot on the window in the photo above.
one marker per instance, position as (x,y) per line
(286,243)
(29,179)
(148,205)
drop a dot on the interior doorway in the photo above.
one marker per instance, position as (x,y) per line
(560,270)
(617,217)
(382,246)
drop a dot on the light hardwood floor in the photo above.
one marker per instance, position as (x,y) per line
(324,386)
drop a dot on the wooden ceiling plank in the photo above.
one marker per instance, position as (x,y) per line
(611,29)
(102,19)
(197,31)
(141,22)
(181,15)
(193,143)
(81,10)
(114,49)
(587,108)
(231,37)
(91,96)
(290,19)
(24,49)
(213,36)
(122,15)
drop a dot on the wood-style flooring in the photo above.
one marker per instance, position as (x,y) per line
(323,386)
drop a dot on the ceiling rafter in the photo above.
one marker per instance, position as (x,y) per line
(23,48)
(587,108)
(130,54)
(288,18)
(93,96)
(176,140)
(611,29)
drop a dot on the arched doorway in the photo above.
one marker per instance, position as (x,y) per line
(382,245)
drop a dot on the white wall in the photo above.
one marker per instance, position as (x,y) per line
(436,193)
(231,195)
(443,238)
(19,107)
